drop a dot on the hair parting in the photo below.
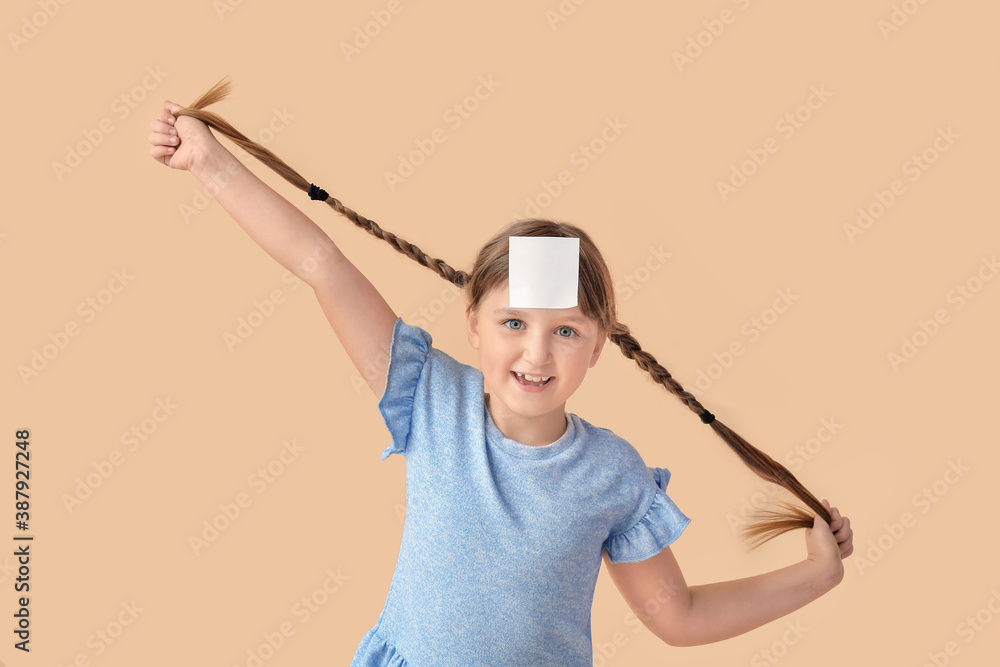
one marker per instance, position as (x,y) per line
(597,300)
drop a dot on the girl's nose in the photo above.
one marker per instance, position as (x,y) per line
(536,351)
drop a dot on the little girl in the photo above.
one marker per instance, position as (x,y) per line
(512,503)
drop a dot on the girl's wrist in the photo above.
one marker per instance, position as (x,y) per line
(825,574)
(207,164)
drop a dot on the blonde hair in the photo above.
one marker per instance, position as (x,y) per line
(596,301)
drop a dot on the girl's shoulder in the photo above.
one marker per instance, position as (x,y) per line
(412,344)
(613,448)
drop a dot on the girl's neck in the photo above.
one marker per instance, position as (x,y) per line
(532,431)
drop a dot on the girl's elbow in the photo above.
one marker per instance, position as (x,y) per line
(675,634)
(676,639)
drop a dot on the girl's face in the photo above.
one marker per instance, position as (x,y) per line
(560,343)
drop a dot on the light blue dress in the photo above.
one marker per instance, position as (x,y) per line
(502,541)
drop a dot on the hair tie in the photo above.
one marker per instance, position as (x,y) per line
(707,417)
(316,192)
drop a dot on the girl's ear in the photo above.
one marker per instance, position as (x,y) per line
(602,338)
(472,321)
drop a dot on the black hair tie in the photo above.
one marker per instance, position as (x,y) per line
(707,417)
(316,192)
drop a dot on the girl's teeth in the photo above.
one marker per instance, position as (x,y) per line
(532,378)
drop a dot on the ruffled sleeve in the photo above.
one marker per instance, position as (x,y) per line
(661,524)
(407,357)
(375,651)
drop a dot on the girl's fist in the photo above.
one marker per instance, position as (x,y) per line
(179,142)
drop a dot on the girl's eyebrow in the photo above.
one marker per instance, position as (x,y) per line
(518,313)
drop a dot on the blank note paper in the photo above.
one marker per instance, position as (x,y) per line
(544,271)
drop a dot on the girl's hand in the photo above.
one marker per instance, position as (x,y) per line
(841,529)
(828,545)
(180,143)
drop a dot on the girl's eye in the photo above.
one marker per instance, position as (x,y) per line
(572,332)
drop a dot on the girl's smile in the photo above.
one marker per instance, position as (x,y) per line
(531,383)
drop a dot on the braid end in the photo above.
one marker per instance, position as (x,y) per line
(216,93)
(766,524)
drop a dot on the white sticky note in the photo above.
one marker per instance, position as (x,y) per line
(543,271)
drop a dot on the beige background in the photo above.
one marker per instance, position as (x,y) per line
(336,508)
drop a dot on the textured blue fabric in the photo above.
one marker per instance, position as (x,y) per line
(502,541)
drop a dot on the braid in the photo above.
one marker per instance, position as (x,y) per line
(219,91)
(623,338)
(765,525)
(768,524)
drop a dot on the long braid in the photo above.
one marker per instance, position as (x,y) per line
(767,523)
(219,91)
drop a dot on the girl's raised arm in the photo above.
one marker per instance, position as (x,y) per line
(361,318)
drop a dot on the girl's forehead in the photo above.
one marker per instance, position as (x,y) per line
(496,304)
